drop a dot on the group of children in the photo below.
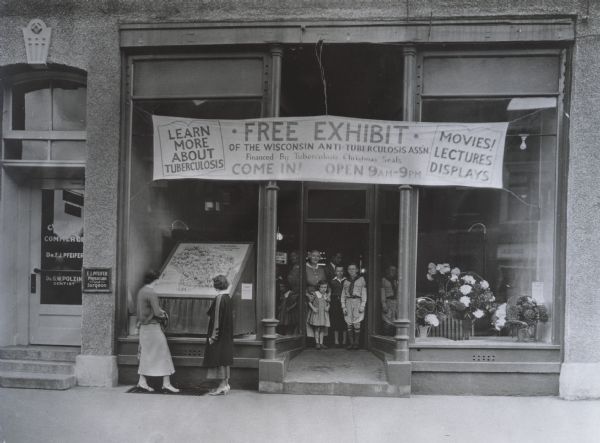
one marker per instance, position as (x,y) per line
(338,305)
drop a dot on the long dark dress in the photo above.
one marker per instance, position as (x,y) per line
(220,352)
(287,309)
(336,315)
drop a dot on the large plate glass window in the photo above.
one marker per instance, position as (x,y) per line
(504,238)
(192,226)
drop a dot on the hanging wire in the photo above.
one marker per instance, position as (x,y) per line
(520,199)
(319,56)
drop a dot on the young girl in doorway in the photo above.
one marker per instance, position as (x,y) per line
(318,317)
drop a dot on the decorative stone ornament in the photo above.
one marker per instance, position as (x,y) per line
(37,42)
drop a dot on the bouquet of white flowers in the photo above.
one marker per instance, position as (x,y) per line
(466,295)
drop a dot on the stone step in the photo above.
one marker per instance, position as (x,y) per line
(345,389)
(36,381)
(45,353)
(339,372)
(37,366)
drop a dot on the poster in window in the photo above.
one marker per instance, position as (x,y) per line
(191,267)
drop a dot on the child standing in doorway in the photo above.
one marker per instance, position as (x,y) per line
(336,315)
(318,316)
(354,301)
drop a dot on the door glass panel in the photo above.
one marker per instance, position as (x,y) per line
(326,203)
(287,258)
(387,281)
(62,246)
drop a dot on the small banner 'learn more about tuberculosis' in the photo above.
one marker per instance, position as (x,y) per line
(330,149)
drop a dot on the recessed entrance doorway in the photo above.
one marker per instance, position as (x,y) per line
(351,80)
(336,224)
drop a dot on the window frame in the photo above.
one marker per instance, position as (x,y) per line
(560,174)
(48,136)
(128,100)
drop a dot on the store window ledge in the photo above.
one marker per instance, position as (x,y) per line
(246,340)
(480,342)
(511,367)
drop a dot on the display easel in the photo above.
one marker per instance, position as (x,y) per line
(185,285)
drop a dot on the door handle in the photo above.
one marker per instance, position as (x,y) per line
(37,270)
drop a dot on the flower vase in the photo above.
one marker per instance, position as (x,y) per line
(527,333)
(423,331)
(467,326)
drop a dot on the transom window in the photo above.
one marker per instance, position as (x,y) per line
(44,119)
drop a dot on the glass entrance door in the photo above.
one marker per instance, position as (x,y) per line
(337,225)
(56,255)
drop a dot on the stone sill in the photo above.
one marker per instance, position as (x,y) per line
(479,343)
(249,340)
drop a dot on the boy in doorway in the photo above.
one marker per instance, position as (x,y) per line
(354,300)
(336,314)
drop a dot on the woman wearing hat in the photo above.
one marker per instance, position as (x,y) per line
(218,356)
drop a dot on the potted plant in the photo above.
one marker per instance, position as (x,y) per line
(525,316)
(429,312)
(467,296)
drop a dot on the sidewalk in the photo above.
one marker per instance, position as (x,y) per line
(110,415)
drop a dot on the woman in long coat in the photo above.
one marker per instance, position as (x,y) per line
(154,354)
(218,356)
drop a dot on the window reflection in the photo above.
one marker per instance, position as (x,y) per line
(386,305)
(31,106)
(68,150)
(506,236)
(68,106)
(25,150)
(165,213)
(288,266)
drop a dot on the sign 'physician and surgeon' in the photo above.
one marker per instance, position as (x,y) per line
(330,149)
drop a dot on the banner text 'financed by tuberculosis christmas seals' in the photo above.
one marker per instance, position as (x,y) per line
(330,149)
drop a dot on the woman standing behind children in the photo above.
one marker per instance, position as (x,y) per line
(318,316)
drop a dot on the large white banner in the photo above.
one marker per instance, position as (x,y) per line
(330,149)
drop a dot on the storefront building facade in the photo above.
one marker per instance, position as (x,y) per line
(77,159)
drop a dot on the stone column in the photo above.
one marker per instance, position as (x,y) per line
(399,369)
(270,370)
(268,257)
(580,371)
(405,282)
(97,363)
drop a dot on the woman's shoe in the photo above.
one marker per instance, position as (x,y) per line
(171,388)
(324,346)
(318,346)
(220,391)
(145,388)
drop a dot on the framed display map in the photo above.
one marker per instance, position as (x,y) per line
(189,270)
